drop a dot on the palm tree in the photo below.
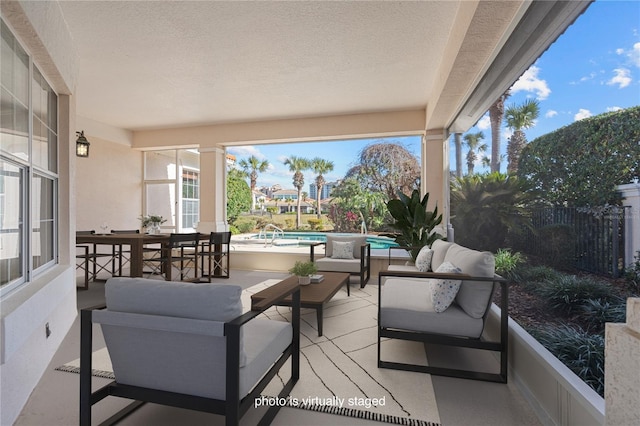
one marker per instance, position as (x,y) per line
(251,167)
(519,118)
(472,140)
(496,113)
(320,166)
(457,138)
(297,165)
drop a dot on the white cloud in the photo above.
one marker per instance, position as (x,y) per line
(484,123)
(246,151)
(632,54)
(530,82)
(582,113)
(614,108)
(622,78)
(551,113)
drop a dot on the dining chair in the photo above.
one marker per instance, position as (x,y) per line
(182,250)
(123,255)
(216,252)
(87,260)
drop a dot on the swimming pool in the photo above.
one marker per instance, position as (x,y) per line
(308,238)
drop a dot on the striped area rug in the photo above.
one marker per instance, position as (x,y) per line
(338,371)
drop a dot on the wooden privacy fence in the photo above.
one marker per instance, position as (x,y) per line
(589,239)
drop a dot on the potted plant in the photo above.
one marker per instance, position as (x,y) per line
(152,223)
(413,222)
(304,270)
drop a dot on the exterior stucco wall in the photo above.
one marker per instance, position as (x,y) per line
(50,297)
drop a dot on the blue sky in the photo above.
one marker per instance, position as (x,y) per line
(594,67)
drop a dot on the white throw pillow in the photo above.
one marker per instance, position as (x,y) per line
(342,250)
(423,259)
(444,291)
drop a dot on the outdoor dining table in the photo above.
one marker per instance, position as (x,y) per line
(136,242)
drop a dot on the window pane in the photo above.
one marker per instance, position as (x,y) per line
(44,138)
(42,216)
(11,223)
(15,67)
(14,127)
(190,209)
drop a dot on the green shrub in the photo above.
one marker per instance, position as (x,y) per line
(532,276)
(315,224)
(567,293)
(245,224)
(597,312)
(507,262)
(579,350)
(632,274)
(234,230)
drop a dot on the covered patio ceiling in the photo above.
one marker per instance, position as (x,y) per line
(149,65)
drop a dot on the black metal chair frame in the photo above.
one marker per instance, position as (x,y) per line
(181,248)
(232,408)
(500,346)
(365,261)
(89,260)
(217,252)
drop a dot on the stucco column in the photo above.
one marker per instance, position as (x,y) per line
(622,368)
(435,176)
(213,190)
(631,198)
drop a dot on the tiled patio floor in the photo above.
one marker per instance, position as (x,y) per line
(54,402)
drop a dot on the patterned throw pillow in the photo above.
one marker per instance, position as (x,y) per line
(423,259)
(443,291)
(342,250)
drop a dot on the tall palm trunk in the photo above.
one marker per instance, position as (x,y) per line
(496,114)
(457,138)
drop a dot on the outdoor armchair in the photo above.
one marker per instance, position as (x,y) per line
(188,345)
(445,308)
(350,254)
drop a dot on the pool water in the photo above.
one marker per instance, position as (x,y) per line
(307,238)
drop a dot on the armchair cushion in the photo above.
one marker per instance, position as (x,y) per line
(473,296)
(330,264)
(423,259)
(342,249)
(144,317)
(440,248)
(357,241)
(214,302)
(406,304)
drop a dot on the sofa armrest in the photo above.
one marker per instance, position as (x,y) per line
(312,249)
(365,255)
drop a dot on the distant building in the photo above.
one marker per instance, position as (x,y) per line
(326,190)
(284,194)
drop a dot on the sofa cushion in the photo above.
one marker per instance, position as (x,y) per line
(444,291)
(423,259)
(358,241)
(214,302)
(342,249)
(473,296)
(440,248)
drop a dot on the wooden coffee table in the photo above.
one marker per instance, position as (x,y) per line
(313,296)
